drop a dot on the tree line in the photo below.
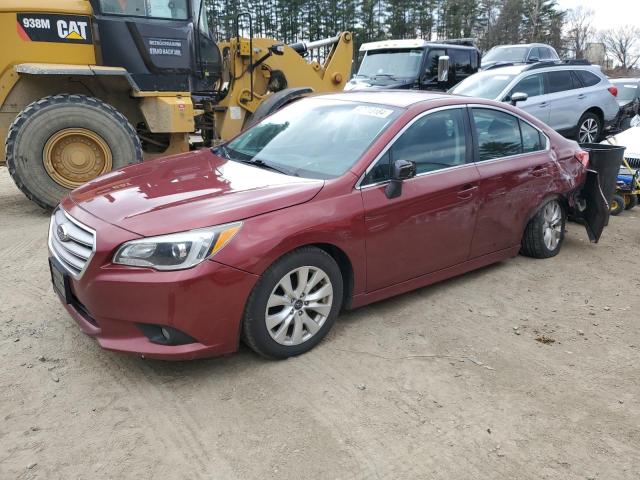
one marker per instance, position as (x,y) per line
(490,22)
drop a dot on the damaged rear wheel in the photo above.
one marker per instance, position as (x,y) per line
(544,234)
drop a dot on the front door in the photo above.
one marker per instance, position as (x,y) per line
(536,103)
(430,225)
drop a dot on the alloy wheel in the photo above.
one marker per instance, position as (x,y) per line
(588,131)
(552,224)
(299,305)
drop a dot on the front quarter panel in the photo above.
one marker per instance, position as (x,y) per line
(332,219)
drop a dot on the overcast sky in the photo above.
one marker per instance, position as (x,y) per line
(609,13)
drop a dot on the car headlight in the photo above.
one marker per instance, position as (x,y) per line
(176,251)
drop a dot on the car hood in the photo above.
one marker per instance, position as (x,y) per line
(373,84)
(188,191)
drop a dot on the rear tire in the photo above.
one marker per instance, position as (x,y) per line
(617,205)
(630,201)
(544,233)
(589,128)
(60,142)
(282,322)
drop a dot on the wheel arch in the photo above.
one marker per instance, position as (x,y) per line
(596,111)
(562,198)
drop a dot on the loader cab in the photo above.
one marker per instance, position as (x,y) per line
(413,64)
(165,45)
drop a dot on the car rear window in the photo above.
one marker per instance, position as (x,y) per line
(588,79)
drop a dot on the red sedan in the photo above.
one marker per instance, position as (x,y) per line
(333,202)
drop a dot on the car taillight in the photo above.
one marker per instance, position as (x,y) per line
(583,157)
(613,91)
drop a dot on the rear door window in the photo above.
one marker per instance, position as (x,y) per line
(588,79)
(532,139)
(560,81)
(498,134)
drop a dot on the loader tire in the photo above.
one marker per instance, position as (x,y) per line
(60,142)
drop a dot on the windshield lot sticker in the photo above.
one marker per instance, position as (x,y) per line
(630,86)
(373,111)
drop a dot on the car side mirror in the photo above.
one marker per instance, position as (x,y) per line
(402,170)
(443,68)
(518,97)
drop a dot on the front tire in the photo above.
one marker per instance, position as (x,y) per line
(294,304)
(589,128)
(544,233)
(60,142)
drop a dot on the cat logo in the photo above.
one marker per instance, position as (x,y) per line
(72,30)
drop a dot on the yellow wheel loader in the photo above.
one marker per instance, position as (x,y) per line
(89,86)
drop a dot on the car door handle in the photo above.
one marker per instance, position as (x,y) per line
(542,104)
(539,171)
(467,191)
(581,96)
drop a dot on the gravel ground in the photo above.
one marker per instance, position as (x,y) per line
(447,382)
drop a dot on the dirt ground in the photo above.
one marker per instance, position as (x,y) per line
(447,382)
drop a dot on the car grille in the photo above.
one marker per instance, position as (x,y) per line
(634,162)
(71,242)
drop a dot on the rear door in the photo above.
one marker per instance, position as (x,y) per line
(565,99)
(515,171)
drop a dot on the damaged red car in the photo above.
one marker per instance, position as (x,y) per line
(331,203)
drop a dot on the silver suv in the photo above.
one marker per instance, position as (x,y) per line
(577,100)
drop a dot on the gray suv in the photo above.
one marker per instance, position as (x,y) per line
(576,100)
(522,53)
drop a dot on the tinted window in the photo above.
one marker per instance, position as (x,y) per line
(534,53)
(431,65)
(532,139)
(588,79)
(176,9)
(433,142)
(560,81)
(498,134)
(533,85)
(461,61)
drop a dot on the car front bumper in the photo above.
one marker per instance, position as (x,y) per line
(112,303)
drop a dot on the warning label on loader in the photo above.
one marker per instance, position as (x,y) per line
(34,27)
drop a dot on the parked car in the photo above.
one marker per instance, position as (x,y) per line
(628,100)
(333,202)
(515,54)
(576,100)
(630,139)
(405,64)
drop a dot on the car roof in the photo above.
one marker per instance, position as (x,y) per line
(393,98)
(524,45)
(409,43)
(520,68)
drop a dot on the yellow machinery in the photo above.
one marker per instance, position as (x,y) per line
(88,86)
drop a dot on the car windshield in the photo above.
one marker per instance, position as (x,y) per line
(506,54)
(483,84)
(626,90)
(313,138)
(393,63)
